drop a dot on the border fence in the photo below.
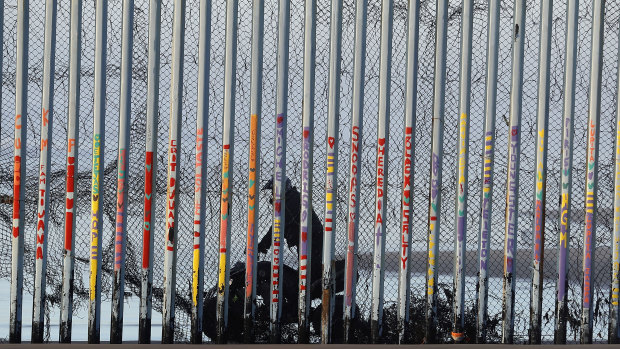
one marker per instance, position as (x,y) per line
(382,171)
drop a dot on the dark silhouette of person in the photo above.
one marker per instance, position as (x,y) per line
(292,228)
(290,277)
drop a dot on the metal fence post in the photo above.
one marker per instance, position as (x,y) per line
(202,122)
(150,171)
(357,110)
(307,149)
(47,106)
(258,17)
(540,179)
(436,162)
(404,276)
(279,170)
(227,165)
(96,233)
(561,309)
(488,153)
(512,183)
(331,177)
(75,43)
(589,237)
(378,265)
(19,171)
(460,240)
(118,277)
(614,330)
(174,154)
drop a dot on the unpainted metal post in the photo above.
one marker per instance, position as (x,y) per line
(488,151)
(307,149)
(512,185)
(202,122)
(561,308)
(589,235)
(118,276)
(228,129)
(96,232)
(436,164)
(462,173)
(331,178)
(75,44)
(174,154)
(150,172)
(279,172)
(249,305)
(406,213)
(378,265)
(357,111)
(47,111)
(540,191)
(614,297)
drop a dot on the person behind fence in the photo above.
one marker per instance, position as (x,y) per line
(290,292)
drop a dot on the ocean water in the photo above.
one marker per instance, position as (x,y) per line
(80,319)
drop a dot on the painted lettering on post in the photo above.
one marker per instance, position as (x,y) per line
(148,206)
(430,284)
(69,205)
(249,262)
(305,208)
(171,194)
(511,228)
(120,209)
(224,207)
(94,229)
(487,175)
(351,233)
(197,210)
(278,214)
(406,203)
(564,209)
(380,196)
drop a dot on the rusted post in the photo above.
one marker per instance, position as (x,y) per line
(249,306)
(540,192)
(561,308)
(307,149)
(75,44)
(150,172)
(174,154)
(436,162)
(47,110)
(279,171)
(357,111)
(589,237)
(378,265)
(331,177)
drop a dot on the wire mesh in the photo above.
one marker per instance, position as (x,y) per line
(241,139)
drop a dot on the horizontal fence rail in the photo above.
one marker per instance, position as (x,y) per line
(146,223)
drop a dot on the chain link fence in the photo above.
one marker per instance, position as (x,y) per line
(241,139)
